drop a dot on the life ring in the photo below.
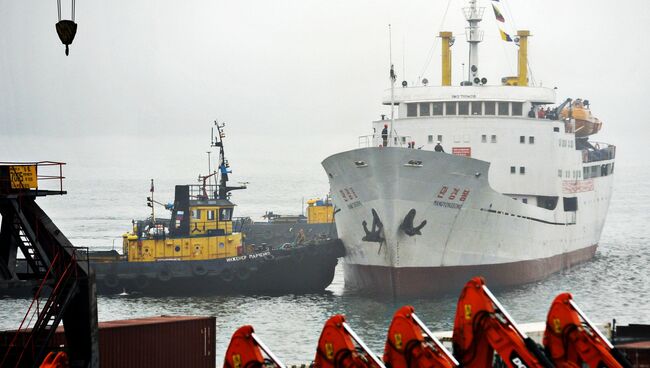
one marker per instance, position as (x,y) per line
(111,281)
(164,275)
(243,273)
(142,282)
(226,275)
(199,270)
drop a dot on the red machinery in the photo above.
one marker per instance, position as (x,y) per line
(571,339)
(483,326)
(245,351)
(337,349)
(406,347)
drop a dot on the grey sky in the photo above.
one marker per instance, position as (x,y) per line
(304,78)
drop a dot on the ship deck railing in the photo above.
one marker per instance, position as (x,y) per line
(48,180)
(601,152)
(375,140)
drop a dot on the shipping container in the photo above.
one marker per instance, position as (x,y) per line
(165,341)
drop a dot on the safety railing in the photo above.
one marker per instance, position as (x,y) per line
(600,152)
(25,176)
(376,140)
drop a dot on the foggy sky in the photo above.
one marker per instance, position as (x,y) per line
(302,79)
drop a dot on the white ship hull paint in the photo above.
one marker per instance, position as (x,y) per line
(480,229)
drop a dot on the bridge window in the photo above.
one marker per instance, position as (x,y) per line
(570,204)
(559,173)
(225,214)
(450,108)
(517,108)
(424,109)
(493,138)
(522,170)
(522,139)
(437,108)
(513,169)
(477,108)
(440,138)
(490,108)
(411,109)
(463,108)
(484,138)
(430,139)
(504,109)
(531,140)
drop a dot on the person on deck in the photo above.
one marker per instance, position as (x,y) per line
(384,135)
(531,113)
(438,147)
(541,114)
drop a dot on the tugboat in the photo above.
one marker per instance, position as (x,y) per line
(201,250)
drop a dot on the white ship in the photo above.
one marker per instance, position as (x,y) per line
(514,197)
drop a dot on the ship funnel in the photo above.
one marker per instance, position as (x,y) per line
(522,74)
(447,42)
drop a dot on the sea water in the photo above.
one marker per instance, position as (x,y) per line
(103,199)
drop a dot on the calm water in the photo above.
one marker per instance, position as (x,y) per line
(97,211)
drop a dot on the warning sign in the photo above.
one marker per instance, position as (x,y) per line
(23,177)
(462,151)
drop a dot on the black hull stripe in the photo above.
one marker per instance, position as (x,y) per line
(527,218)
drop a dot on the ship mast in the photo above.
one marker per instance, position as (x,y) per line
(474,34)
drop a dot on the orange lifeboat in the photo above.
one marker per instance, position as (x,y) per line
(586,123)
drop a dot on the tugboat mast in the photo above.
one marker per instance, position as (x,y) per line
(474,34)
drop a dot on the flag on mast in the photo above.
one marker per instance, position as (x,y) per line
(497,14)
(151,190)
(504,36)
(393,77)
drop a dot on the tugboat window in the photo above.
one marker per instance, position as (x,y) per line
(210,215)
(411,110)
(463,108)
(476,108)
(450,108)
(424,109)
(490,108)
(437,108)
(503,108)
(517,108)
(225,214)
(196,214)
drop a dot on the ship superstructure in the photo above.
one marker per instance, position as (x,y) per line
(519,192)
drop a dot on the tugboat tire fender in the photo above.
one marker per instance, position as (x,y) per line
(199,270)
(269,257)
(226,275)
(164,275)
(142,282)
(243,273)
(111,281)
(267,234)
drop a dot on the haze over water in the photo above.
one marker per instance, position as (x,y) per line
(98,209)
(296,82)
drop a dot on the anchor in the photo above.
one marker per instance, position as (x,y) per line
(407,224)
(373,235)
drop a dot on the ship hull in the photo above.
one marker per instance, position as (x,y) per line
(417,222)
(300,269)
(417,281)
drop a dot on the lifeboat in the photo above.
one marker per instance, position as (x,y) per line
(586,123)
